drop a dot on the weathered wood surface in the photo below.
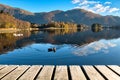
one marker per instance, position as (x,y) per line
(92,73)
(109,74)
(61,73)
(76,73)
(115,68)
(31,73)
(51,72)
(46,73)
(6,71)
(16,73)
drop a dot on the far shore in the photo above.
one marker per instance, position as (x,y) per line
(52,28)
(11,30)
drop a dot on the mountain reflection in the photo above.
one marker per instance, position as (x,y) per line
(9,42)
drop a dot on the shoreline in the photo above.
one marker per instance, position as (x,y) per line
(8,30)
(11,30)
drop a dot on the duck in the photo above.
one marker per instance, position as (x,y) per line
(52,49)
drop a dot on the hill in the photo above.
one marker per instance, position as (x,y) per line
(8,21)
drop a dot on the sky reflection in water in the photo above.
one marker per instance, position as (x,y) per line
(102,46)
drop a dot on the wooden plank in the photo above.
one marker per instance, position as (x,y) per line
(1,67)
(6,70)
(115,68)
(107,73)
(46,73)
(92,73)
(61,73)
(16,73)
(31,73)
(76,73)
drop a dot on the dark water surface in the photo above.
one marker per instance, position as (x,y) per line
(72,47)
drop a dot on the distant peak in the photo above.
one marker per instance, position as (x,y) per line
(6,6)
(56,11)
(79,9)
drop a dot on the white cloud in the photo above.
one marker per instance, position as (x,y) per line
(88,2)
(75,1)
(100,8)
(114,9)
(86,7)
(95,6)
(107,3)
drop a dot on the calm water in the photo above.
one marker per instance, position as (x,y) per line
(73,47)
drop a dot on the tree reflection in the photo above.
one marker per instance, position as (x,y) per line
(8,41)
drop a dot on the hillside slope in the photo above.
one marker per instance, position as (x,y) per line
(8,21)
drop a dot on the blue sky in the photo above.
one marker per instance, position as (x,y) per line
(104,7)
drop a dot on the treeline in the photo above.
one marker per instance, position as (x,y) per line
(8,21)
(64,25)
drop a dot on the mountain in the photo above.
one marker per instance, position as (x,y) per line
(79,16)
(14,11)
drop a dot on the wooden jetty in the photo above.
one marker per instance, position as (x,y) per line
(51,72)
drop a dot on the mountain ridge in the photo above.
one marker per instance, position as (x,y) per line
(78,16)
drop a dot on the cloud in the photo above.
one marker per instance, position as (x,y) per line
(75,1)
(95,6)
(86,7)
(107,3)
(88,2)
(99,8)
(114,9)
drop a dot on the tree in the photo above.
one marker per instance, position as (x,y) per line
(96,27)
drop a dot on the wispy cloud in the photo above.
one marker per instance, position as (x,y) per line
(75,1)
(95,6)
(107,3)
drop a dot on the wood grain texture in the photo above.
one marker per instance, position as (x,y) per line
(61,73)
(46,73)
(92,73)
(108,73)
(31,73)
(76,73)
(16,73)
(115,68)
(6,70)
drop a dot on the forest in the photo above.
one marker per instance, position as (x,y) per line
(8,21)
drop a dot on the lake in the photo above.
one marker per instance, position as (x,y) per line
(73,47)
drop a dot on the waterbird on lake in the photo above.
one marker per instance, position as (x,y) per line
(52,49)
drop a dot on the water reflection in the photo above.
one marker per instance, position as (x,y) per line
(102,46)
(9,42)
(67,47)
